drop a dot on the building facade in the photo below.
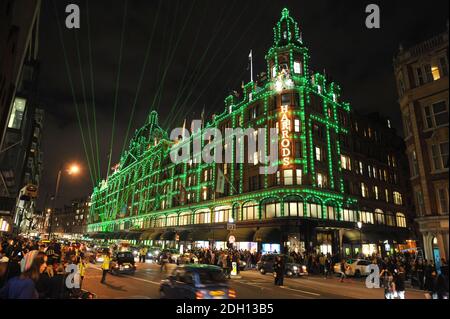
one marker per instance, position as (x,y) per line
(322,196)
(72,219)
(421,73)
(20,120)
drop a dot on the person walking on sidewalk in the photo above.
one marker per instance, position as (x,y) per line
(105,266)
(400,283)
(343,269)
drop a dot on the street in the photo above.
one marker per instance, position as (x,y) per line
(249,284)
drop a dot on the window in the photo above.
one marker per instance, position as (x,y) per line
(205,193)
(390,219)
(299,176)
(361,168)
(364,190)
(297,67)
(442,194)
(376,192)
(274,71)
(286,99)
(439,153)
(398,198)
(318,153)
(319,89)
(407,124)
(321,180)
(250,211)
(435,72)
(15,120)
(386,195)
(401,220)
(288,177)
(278,178)
(255,158)
(429,75)
(346,162)
(436,115)
(419,74)
(419,202)
(297,125)
(444,67)
(414,164)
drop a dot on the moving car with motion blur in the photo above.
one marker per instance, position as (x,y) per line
(355,267)
(194,281)
(122,262)
(292,269)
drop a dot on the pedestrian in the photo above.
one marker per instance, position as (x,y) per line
(105,266)
(58,288)
(327,266)
(81,269)
(24,286)
(343,268)
(164,261)
(278,271)
(142,254)
(400,282)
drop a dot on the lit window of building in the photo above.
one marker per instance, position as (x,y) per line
(375,191)
(346,162)
(364,190)
(398,198)
(297,67)
(318,153)
(299,176)
(297,125)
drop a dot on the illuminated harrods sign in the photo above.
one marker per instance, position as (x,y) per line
(285,124)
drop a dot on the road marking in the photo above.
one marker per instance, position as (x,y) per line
(299,290)
(135,278)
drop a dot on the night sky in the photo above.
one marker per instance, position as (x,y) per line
(198,54)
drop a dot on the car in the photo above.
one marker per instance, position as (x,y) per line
(122,262)
(355,267)
(196,281)
(292,269)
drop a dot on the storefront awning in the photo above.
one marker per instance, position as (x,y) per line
(146,235)
(243,234)
(371,237)
(217,235)
(268,235)
(155,235)
(168,235)
(185,235)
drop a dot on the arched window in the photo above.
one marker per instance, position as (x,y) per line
(222,214)
(160,221)
(172,220)
(314,209)
(271,208)
(366,217)
(390,220)
(250,211)
(184,219)
(401,219)
(379,217)
(203,217)
(293,206)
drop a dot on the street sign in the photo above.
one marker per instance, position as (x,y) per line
(231,226)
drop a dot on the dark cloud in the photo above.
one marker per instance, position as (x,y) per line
(205,60)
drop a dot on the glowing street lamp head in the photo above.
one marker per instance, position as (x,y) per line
(74,169)
(359,224)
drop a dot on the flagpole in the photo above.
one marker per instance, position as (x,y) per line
(251,65)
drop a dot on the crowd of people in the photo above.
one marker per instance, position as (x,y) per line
(31,269)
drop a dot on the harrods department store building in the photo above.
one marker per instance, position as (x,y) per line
(335,168)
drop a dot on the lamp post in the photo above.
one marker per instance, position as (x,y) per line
(359,224)
(73,169)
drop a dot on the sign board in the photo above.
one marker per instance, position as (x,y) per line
(231,226)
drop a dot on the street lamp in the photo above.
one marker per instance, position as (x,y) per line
(359,224)
(73,169)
